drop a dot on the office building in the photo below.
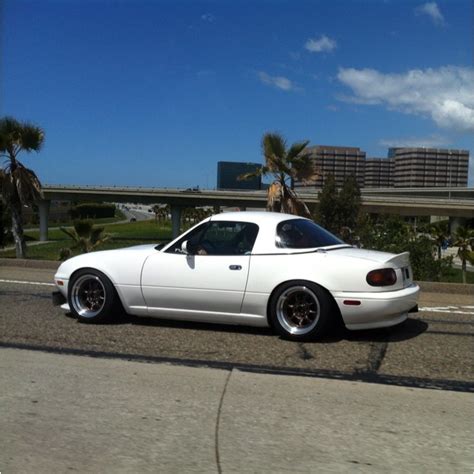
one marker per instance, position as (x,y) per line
(404,167)
(429,167)
(378,173)
(338,161)
(228,173)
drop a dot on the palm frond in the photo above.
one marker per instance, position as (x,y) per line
(304,169)
(70,233)
(86,237)
(274,151)
(83,228)
(6,186)
(295,150)
(9,133)
(15,135)
(84,244)
(97,236)
(27,184)
(250,175)
(32,137)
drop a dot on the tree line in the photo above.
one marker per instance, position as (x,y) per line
(339,210)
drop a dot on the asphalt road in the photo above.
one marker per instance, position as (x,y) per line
(144,395)
(433,349)
(64,413)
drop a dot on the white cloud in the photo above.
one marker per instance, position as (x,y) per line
(433,141)
(446,95)
(320,45)
(431,10)
(279,82)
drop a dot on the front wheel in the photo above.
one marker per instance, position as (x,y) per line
(92,297)
(299,310)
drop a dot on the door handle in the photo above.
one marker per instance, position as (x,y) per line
(235,267)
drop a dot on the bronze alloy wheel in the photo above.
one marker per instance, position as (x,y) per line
(88,296)
(298,310)
(92,297)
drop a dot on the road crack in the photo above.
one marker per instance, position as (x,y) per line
(218,421)
(375,358)
(303,352)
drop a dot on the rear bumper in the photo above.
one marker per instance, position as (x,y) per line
(377,310)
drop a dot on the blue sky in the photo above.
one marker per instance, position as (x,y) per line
(154,93)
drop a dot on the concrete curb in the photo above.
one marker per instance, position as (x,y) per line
(26,263)
(426,286)
(455,288)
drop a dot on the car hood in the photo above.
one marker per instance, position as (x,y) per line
(136,250)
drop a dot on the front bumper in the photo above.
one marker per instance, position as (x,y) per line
(377,310)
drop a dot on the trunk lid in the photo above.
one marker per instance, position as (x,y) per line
(374,255)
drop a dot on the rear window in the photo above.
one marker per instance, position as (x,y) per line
(303,234)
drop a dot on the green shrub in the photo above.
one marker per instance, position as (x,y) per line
(392,234)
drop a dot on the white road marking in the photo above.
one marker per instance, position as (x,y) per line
(448,309)
(27,282)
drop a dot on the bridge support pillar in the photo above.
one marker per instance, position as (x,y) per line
(175,220)
(43,207)
(455,223)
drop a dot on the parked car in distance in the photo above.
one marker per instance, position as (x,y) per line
(248,268)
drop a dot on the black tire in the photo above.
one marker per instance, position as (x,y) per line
(92,297)
(300,310)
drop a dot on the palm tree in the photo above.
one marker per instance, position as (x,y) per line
(439,233)
(19,185)
(156,210)
(464,238)
(284,165)
(86,237)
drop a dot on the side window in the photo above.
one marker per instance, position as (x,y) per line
(289,235)
(302,233)
(219,238)
(193,239)
(228,238)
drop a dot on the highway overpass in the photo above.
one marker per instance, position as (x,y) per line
(449,202)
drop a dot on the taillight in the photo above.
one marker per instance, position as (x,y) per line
(382,277)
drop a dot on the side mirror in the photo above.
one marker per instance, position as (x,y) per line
(184,247)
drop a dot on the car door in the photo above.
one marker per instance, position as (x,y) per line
(210,278)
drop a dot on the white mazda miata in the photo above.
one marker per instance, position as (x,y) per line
(251,268)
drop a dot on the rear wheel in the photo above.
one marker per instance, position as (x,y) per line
(299,310)
(92,297)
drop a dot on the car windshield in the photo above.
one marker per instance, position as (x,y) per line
(303,234)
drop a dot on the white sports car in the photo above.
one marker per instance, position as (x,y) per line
(250,268)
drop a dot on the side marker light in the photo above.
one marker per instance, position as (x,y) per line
(352,302)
